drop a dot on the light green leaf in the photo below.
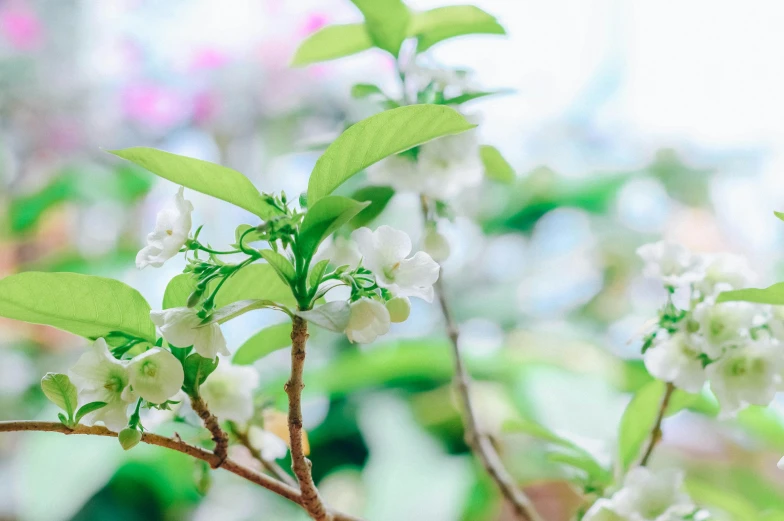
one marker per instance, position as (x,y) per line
(496,167)
(374,138)
(87,408)
(637,421)
(470,96)
(773,295)
(441,23)
(333,41)
(85,305)
(332,316)
(780,215)
(316,272)
(280,264)
(378,197)
(705,493)
(240,307)
(252,236)
(263,343)
(60,391)
(323,218)
(257,281)
(364,90)
(197,369)
(386,22)
(205,177)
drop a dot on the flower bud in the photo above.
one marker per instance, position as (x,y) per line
(194,297)
(399,309)
(435,244)
(129,438)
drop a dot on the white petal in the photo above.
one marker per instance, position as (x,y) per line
(156,375)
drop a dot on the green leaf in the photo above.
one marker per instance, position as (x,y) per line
(60,391)
(780,215)
(364,90)
(205,177)
(496,167)
(333,41)
(439,24)
(197,369)
(637,422)
(240,307)
(263,343)
(257,281)
(332,316)
(280,264)
(377,137)
(317,272)
(470,96)
(705,493)
(378,197)
(386,22)
(249,238)
(773,295)
(86,409)
(323,218)
(85,305)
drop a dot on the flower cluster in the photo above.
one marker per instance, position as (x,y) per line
(735,346)
(647,496)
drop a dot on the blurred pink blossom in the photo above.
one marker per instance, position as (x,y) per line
(206,59)
(313,23)
(154,105)
(205,105)
(21,28)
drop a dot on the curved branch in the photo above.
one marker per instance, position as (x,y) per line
(220,438)
(480,444)
(210,457)
(311,500)
(272,467)
(656,433)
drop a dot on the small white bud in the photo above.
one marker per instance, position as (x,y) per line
(399,309)
(129,438)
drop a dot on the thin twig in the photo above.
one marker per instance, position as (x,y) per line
(271,484)
(478,441)
(656,433)
(272,467)
(220,438)
(161,441)
(301,465)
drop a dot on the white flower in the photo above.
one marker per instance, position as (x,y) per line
(747,374)
(442,169)
(99,377)
(724,269)
(228,391)
(672,263)
(725,324)
(645,496)
(673,358)
(271,446)
(181,327)
(368,320)
(384,252)
(172,226)
(340,251)
(156,375)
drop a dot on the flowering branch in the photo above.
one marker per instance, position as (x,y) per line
(220,438)
(656,432)
(301,466)
(479,442)
(272,467)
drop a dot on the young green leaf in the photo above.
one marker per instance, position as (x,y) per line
(323,218)
(263,343)
(257,281)
(364,90)
(496,167)
(205,177)
(87,408)
(280,264)
(377,137)
(773,295)
(61,392)
(85,305)
(316,272)
(378,197)
(333,41)
(197,369)
(386,21)
(332,316)
(251,236)
(442,23)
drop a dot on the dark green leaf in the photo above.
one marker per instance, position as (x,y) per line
(378,197)
(86,409)
(197,369)
(280,264)
(323,218)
